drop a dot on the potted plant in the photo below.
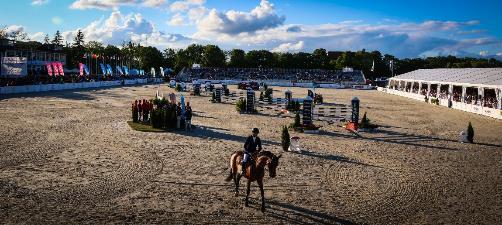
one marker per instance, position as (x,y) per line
(285,139)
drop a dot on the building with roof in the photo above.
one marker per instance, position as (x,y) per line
(476,90)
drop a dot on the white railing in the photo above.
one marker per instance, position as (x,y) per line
(68,86)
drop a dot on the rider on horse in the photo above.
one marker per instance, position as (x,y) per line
(250,147)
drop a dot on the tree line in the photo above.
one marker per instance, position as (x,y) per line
(373,63)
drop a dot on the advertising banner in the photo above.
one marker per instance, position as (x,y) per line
(14,67)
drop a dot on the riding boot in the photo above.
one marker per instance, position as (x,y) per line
(243,172)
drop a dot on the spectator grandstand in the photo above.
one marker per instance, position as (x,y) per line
(346,76)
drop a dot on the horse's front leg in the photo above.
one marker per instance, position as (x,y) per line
(237,180)
(260,183)
(247,193)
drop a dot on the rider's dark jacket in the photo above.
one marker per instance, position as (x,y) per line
(252,145)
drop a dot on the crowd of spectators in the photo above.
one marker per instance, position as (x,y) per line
(295,75)
(67,78)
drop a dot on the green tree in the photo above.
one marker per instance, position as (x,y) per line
(213,56)
(79,39)
(320,59)
(169,55)
(237,58)
(470,133)
(47,39)
(285,138)
(58,39)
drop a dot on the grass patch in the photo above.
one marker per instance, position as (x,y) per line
(143,127)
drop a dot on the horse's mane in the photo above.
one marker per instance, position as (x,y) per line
(266,153)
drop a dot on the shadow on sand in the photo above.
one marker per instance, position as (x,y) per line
(292,214)
(216,133)
(332,157)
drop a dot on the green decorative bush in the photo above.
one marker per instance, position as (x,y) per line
(156,118)
(268,94)
(366,123)
(285,138)
(213,97)
(293,106)
(261,96)
(177,88)
(240,106)
(318,99)
(470,133)
(435,101)
(297,121)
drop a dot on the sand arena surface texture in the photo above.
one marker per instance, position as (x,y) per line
(70,158)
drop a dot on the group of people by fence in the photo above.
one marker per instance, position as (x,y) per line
(162,113)
(141,110)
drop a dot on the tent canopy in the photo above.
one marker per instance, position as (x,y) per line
(470,76)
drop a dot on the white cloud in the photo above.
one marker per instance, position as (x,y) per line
(39,36)
(197,13)
(499,54)
(289,47)
(119,28)
(483,53)
(113,4)
(235,22)
(176,20)
(57,20)
(39,2)
(185,5)
(13,29)
(153,3)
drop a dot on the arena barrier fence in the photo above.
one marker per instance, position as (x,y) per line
(70,86)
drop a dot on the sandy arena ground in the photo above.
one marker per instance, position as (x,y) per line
(70,158)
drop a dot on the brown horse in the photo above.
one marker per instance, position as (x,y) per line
(254,172)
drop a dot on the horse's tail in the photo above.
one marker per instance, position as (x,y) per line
(231,168)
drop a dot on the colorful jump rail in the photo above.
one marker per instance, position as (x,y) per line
(70,86)
(485,111)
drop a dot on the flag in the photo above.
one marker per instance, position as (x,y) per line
(60,68)
(81,68)
(55,68)
(373,66)
(49,69)
(103,70)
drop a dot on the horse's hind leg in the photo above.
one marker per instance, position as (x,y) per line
(260,183)
(247,193)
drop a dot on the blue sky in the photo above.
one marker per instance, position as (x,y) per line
(402,28)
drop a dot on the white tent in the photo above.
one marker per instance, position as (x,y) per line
(476,90)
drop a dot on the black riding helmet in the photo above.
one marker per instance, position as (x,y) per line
(256,131)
